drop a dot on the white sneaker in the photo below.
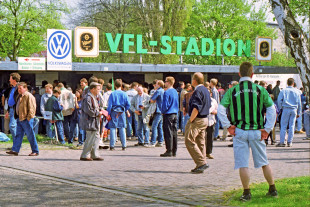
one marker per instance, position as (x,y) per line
(150,145)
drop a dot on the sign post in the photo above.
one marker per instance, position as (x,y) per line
(86,42)
(59,53)
(263,49)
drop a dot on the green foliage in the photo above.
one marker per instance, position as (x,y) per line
(152,19)
(23,25)
(233,19)
(292,192)
(300,8)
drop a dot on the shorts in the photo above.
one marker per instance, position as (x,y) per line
(243,141)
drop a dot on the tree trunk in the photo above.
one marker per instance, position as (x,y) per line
(294,38)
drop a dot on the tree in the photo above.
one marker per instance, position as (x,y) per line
(226,19)
(152,19)
(295,38)
(24,23)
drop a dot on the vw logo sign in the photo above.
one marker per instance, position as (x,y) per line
(59,45)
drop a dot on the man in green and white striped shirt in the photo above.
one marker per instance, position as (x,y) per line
(246,102)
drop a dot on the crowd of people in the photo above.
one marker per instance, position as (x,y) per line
(248,110)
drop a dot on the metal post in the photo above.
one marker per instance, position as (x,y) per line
(181,59)
(56,134)
(140,58)
(81,60)
(222,59)
(259,63)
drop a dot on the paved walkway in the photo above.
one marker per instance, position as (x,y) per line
(135,177)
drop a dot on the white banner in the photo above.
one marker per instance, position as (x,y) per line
(86,42)
(59,52)
(31,63)
(273,78)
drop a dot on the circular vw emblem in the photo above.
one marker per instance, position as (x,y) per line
(59,45)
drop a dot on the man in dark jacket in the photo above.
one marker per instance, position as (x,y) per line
(198,110)
(91,121)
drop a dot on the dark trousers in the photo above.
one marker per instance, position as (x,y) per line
(209,139)
(170,132)
(66,126)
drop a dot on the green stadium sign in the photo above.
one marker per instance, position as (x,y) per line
(203,46)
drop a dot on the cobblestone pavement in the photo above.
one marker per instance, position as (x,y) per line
(140,172)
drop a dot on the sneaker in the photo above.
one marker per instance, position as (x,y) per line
(289,144)
(230,145)
(159,145)
(150,145)
(209,156)
(128,138)
(124,148)
(146,145)
(300,132)
(306,138)
(199,169)
(272,193)
(281,145)
(112,148)
(79,145)
(246,197)
(139,144)
(76,139)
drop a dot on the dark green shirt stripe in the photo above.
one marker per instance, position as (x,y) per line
(246,101)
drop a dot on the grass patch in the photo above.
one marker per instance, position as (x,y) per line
(292,192)
(44,141)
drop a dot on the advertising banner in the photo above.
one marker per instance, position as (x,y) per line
(263,48)
(86,42)
(31,63)
(59,52)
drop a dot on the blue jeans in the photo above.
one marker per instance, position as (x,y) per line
(113,136)
(307,123)
(50,132)
(82,136)
(66,126)
(36,122)
(180,122)
(13,123)
(157,129)
(60,132)
(216,127)
(288,118)
(73,126)
(23,127)
(186,118)
(299,123)
(131,120)
(143,129)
